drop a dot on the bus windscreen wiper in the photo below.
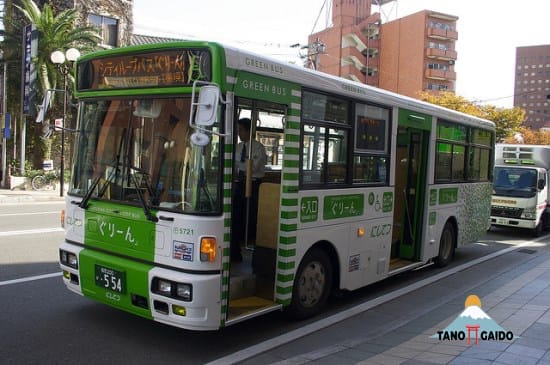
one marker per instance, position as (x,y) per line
(84,203)
(146,208)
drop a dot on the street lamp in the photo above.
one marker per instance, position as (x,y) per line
(59,58)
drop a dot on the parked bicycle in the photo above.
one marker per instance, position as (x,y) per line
(47,181)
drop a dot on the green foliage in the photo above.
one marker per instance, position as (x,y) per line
(57,30)
(507,121)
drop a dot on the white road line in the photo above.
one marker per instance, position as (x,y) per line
(30,278)
(34,213)
(31,231)
(272,343)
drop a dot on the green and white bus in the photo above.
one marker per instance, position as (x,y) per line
(360,184)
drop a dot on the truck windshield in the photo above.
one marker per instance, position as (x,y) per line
(516,182)
(137,151)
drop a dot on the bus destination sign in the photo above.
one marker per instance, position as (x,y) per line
(153,69)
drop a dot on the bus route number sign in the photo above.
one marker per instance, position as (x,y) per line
(110,279)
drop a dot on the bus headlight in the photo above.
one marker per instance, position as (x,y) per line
(68,259)
(164,287)
(184,291)
(172,289)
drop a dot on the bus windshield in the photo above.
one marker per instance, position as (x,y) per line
(515,182)
(138,151)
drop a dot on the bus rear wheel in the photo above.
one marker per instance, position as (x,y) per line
(447,245)
(312,285)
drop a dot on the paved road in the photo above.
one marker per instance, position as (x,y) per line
(44,323)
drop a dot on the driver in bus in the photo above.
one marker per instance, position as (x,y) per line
(248,148)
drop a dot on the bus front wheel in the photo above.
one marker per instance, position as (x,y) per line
(312,285)
(447,245)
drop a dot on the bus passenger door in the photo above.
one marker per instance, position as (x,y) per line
(410,189)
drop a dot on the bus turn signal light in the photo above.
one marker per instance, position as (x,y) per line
(208,249)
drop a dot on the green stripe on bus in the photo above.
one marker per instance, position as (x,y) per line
(284,289)
(285,202)
(286,265)
(292,137)
(285,278)
(284,302)
(293,125)
(290,176)
(289,215)
(289,227)
(228,148)
(287,253)
(292,150)
(291,163)
(287,240)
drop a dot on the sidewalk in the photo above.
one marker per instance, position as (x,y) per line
(15,196)
(515,296)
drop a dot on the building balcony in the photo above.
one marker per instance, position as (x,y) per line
(373,62)
(441,74)
(439,33)
(352,54)
(373,45)
(356,40)
(351,72)
(441,54)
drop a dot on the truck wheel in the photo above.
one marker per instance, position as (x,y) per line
(537,231)
(312,285)
(447,245)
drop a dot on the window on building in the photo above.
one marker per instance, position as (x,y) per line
(108,28)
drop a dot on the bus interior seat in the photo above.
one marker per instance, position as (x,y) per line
(264,258)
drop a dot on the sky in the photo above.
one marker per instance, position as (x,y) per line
(488,31)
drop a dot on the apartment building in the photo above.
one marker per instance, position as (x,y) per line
(406,55)
(532,85)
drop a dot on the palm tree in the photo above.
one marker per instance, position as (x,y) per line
(55,32)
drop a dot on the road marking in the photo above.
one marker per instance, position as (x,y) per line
(34,213)
(30,278)
(270,344)
(31,231)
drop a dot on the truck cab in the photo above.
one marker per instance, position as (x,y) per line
(520,187)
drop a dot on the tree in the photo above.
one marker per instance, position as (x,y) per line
(55,32)
(528,136)
(508,121)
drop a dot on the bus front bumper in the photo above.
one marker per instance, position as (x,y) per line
(143,289)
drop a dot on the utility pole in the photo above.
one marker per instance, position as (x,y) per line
(4,141)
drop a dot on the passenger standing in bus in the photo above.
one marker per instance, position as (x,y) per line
(247,148)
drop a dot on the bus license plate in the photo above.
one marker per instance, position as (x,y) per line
(110,279)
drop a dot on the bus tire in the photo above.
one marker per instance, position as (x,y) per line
(447,244)
(312,285)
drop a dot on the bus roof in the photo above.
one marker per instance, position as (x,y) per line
(245,60)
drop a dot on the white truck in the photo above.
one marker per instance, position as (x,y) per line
(520,187)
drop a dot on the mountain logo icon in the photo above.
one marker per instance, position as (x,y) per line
(473,325)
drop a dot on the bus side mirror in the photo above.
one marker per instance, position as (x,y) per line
(541,184)
(207,107)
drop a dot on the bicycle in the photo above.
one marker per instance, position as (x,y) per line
(44,182)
